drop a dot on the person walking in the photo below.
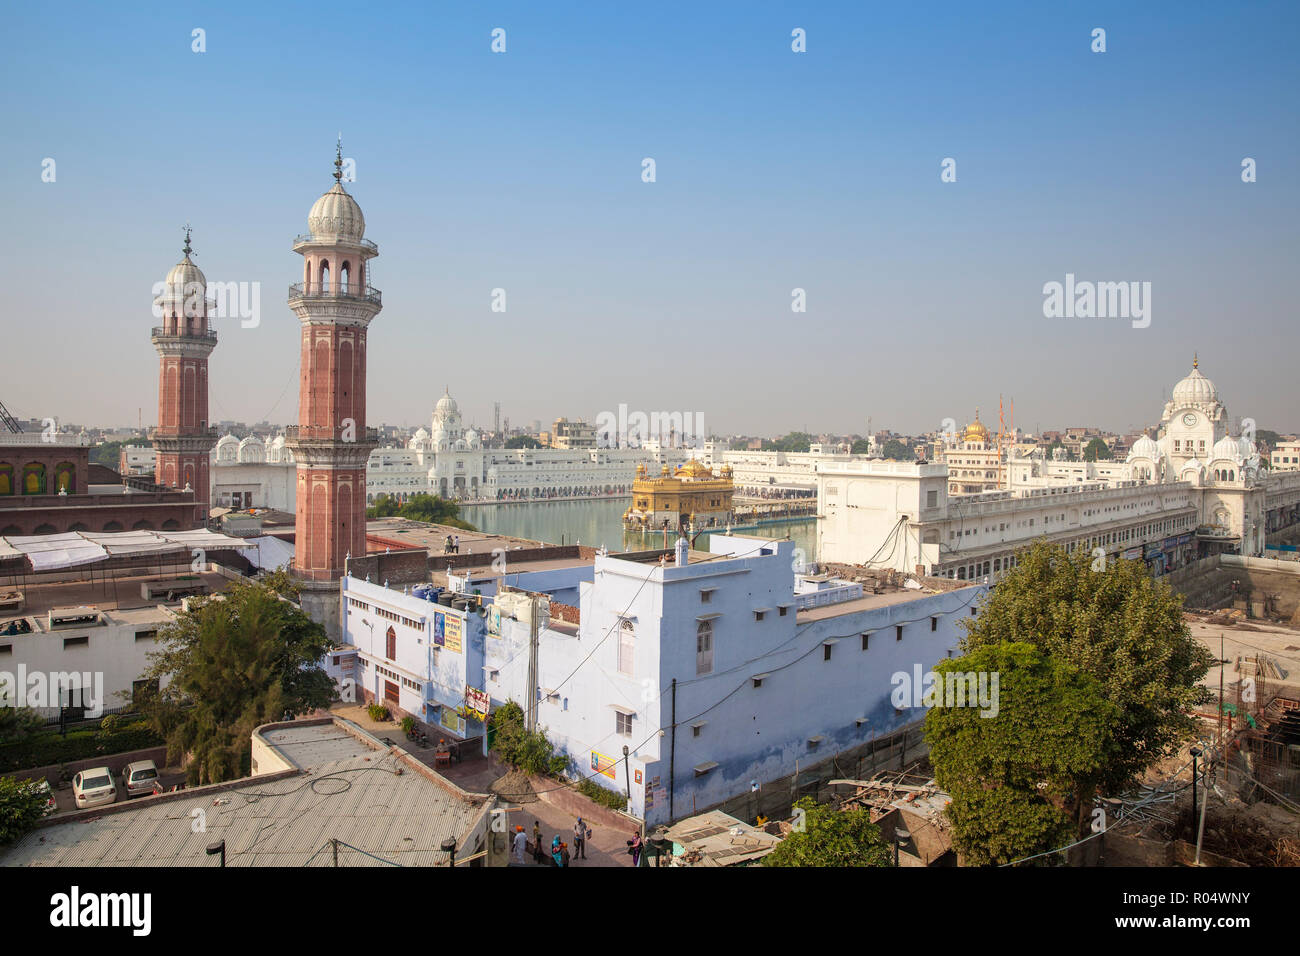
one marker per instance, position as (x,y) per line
(634,847)
(455,544)
(564,854)
(580,834)
(520,839)
(557,858)
(539,854)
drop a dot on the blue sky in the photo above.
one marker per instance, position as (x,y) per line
(775,170)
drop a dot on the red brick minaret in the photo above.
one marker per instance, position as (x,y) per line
(183,440)
(331,444)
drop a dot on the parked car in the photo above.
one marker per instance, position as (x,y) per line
(43,787)
(139,778)
(94,788)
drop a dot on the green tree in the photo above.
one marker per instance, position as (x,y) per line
(795,442)
(384,507)
(861,447)
(238,660)
(1114,624)
(523,441)
(897,450)
(16,722)
(528,751)
(1096,450)
(22,804)
(1020,775)
(832,837)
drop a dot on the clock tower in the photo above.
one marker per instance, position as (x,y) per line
(1194,419)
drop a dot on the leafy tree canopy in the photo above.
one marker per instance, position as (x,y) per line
(897,450)
(1021,777)
(1116,625)
(1096,450)
(832,838)
(523,441)
(795,441)
(429,508)
(227,665)
(22,804)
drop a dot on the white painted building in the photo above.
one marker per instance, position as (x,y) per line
(1192,492)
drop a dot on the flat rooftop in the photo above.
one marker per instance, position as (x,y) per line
(118,597)
(350,788)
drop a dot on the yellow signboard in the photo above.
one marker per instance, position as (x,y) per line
(452,636)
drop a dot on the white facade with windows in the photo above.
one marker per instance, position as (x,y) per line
(1192,492)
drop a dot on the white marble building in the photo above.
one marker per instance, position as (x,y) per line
(1194,491)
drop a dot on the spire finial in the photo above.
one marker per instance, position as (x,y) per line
(338,161)
(187,250)
(1196,360)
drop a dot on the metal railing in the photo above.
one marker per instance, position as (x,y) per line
(160,331)
(312,290)
(308,237)
(325,433)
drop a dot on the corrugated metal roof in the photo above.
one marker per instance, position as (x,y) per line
(349,792)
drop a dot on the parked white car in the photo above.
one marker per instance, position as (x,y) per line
(94,788)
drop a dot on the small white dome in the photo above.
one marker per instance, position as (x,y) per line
(184,282)
(471,437)
(1144,447)
(1228,448)
(336,215)
(252,450)
(1195,389)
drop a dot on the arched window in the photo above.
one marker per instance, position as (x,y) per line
(324,276)
(113,526)
(34,479)
(79,526)
(6,479)
(45,529)
(65,478)
(142,525)
(345,272)
(171,524)
(390,649)
(11,529)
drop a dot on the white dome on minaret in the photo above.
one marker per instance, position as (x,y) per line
(1195,388)
(336,215)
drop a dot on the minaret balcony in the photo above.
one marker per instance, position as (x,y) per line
(302,242)
(178,331)
(315,292)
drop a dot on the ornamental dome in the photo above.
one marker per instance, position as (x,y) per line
(694,469)
(1144,447)
(446,405)
(976,431)
(1195,388)
(251,450)
(1227,448)
(472,438)
(336,215)
(227,448)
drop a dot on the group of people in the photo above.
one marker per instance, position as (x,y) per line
(559,854)
(451,545)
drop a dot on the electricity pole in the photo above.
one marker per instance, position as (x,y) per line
(531,714)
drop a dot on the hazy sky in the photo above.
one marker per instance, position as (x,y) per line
(775,170)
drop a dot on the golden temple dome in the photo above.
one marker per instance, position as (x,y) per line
(976,430)
(694,469)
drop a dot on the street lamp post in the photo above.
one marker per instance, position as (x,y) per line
(627,776)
